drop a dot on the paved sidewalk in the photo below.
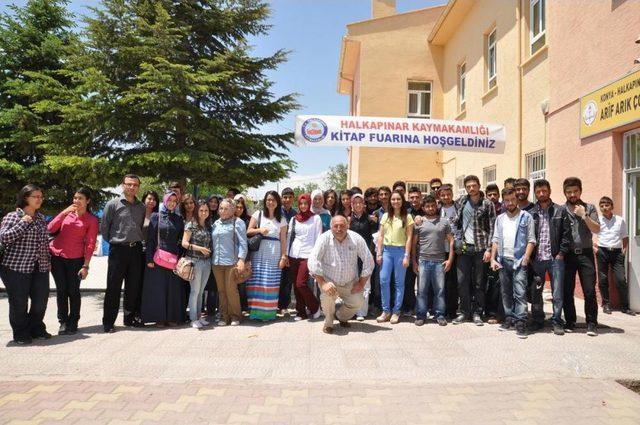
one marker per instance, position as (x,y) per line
(290,372)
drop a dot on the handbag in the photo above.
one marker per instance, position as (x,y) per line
(165,259)
(185,269)
(253,244)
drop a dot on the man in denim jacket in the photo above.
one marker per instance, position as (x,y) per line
(512,245)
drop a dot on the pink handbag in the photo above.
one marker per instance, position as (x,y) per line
(163,258)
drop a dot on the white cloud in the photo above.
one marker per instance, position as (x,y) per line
(293,181)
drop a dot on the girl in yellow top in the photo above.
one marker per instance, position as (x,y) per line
(393,253)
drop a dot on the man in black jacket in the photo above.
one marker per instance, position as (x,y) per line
(553,233)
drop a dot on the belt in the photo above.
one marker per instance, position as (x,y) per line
(580,251)
(610,249)
(270,238)
(128,244)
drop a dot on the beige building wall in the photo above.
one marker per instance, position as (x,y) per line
(514,102)
(384,54)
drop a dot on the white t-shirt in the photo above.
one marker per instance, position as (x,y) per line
(612,231)
(270,223)
(509,231)
(306,235)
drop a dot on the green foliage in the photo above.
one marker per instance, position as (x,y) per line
(337,177)
(306,188)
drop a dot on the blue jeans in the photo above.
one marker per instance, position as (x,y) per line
(392,257)
(556,271)
(202,270)
(431,276)
(514,291)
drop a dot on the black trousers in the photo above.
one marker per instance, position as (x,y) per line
(451,289)
(125,263)
(409,298)
(494,306)
(210,295)
(65,275)
(584,265)
(375,297)
(614,259)
(26,320)
(284,294)
(471,283)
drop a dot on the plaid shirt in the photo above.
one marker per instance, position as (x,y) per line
(25,243)
(544,237)
(337,261)
(484,220)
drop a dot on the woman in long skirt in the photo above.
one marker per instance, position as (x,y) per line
(267,263)
(163,295)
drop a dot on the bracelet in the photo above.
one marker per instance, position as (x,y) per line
(406,255)
(85,267)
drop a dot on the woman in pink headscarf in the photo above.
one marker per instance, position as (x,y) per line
(163,295)
(304,228)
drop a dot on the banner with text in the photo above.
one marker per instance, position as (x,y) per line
(369,132)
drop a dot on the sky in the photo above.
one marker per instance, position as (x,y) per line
(312,31)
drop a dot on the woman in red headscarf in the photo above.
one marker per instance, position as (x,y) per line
(304,228)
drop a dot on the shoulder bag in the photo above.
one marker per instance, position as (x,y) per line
(165,259)
(253,244)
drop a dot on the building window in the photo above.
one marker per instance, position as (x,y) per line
(489,175)
(460,185)
(536,168)
(423,186)
(462,77)
(419,100)
(492,70)
(537,24)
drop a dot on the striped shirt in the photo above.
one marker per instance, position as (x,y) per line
(337,261)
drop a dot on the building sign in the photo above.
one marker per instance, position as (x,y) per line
(612,106)
(369,132)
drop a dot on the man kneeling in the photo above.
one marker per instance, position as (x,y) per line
(334,262)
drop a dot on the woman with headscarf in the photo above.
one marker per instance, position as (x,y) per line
(360,222)
(304,230)
(163,295)
(317,207)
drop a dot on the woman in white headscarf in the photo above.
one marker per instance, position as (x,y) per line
(317,207)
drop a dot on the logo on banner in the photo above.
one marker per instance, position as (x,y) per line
(590,113)
(314,130)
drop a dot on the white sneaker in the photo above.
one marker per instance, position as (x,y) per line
(360,318)
(203,322)
(317,314)
(235,323)
(196,324)
(222,323)
(298,318)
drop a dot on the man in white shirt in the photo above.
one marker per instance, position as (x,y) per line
(334,264)
(613,241)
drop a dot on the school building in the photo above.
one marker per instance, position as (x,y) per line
(563,77)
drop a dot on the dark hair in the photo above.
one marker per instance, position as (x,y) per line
(434,180)
(287,191)
(605,200)
(446,186)
(540,183)
(207,221)
(571,181)
(471,177)
(155,196)
(278,211)
(429,199)
(175,185)
(401,184)
(340,205)
(384,189)
(334,209)
(245,212)
(522,182)
(414,189)
(86,192)
(508,191)
(492,188)
(370,191)
(403,209)
(509,181)
(186,197)
(131,176)
(233,190)
(24,193)
(356,189)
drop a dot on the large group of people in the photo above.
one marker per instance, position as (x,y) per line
(382,252)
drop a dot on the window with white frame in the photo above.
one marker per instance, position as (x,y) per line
(492,70)
(462,77)
(423,186)
(419,100)
(460,185)
(536,168)
(537,24)
(488,175)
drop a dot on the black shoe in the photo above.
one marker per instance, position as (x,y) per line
(569,327)
(606,309)
(536,326)
(592,329)
(23,341)
(461,318)
(521,330)
(558,329)
(137,323)
(109,329)
(629,312)
(477,320)
(43,336)
(505,326)
(63,329)
(441,321)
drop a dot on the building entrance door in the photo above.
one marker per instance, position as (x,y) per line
(632,214)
